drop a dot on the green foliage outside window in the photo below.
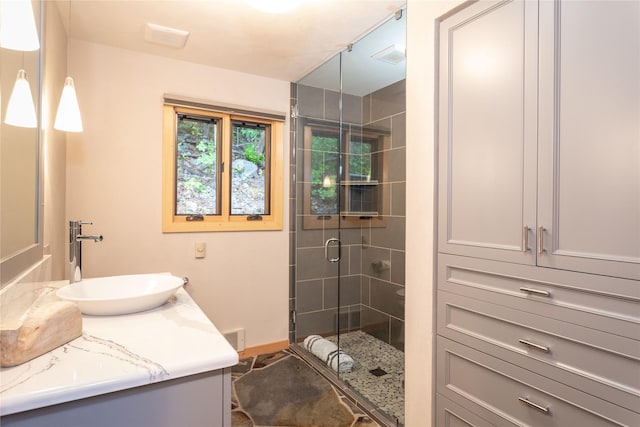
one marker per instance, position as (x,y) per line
(324,167)
(196,164)
(249,144)
(359,161)
(248,191)
(208,158)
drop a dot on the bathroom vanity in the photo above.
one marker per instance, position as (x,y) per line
(163,367)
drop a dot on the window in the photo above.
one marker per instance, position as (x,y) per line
(342,182)
(221,171)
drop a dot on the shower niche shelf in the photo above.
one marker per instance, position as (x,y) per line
(359,183)
(359,214)
(360,198)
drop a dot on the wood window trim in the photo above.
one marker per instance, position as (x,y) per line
(172,223)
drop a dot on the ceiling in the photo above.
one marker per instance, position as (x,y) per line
(231,34)
(356,71)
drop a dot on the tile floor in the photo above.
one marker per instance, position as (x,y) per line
(279,389)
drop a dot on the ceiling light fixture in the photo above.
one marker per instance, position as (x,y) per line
(275,6)
(20,109)
(165,36)
(68,118)
(18,26)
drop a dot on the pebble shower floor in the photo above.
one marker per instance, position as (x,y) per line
(378,371)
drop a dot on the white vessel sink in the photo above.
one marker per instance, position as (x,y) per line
(113,295)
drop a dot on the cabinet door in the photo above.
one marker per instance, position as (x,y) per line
(487,131)
(589,137)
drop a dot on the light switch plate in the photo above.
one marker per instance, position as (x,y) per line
(200,250)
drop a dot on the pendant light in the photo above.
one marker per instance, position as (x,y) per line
(18,31)
(68,117)
(18,26)
(20,109)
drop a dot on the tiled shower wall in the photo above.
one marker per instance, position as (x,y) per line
(370,299)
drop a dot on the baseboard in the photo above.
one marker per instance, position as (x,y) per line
(264,348)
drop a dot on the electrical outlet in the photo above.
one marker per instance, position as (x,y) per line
(235,337)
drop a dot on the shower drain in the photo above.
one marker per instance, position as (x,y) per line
(378,372)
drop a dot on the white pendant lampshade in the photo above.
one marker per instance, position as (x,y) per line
(18,26)
(68,116)
(20,109)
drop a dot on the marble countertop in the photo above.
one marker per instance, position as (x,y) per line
(119,352)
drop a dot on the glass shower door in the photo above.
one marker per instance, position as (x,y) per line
(349,117)
(319,257)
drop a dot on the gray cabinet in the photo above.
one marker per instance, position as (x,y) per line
(589,137)
(506,394)
(539,134)
(588,338)
(452,414)
(539,214)
(487,131)
(200,400)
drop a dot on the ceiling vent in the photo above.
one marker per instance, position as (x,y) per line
(165,36)
(391,55)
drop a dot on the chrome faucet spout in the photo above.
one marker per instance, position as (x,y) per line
(75,248)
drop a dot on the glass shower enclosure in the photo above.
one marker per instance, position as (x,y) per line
(348,219)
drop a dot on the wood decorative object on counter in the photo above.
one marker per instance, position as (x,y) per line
(42,329)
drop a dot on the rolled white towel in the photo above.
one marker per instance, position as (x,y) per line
(329,353)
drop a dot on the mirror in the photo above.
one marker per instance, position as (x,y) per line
(20,166)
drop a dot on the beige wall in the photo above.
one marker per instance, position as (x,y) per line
(114,178)
(419,358)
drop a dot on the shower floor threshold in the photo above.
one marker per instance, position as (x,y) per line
(356,399)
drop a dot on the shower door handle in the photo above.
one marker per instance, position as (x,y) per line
(326,249)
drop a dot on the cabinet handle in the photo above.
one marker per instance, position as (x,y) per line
(536,291)
(534,345)
(540,240)
(525,239)
(534,405)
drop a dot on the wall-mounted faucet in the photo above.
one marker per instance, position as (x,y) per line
(75,248)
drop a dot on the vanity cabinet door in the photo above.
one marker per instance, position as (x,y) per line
(487,131)
(589,137)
